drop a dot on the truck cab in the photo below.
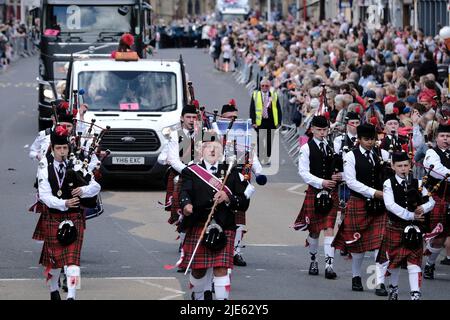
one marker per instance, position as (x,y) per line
(70,28)
(139,100)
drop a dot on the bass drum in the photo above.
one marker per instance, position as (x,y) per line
(91,213)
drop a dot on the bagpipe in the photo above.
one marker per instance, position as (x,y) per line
(83,147)
(237,143)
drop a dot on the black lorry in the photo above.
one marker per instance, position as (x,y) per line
(83,27)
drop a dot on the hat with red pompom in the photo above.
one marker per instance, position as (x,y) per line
(127,39)
(60,135)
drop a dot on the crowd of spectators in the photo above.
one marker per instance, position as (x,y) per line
(16,40)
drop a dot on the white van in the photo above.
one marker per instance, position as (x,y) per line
(137,99)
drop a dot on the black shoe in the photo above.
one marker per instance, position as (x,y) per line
(208,295)
(239,261)
(64,284)
(329,273)
(356,284)
(446,261)
(181,270)
(415,295)
(314,268)
(55,295)
(381,290)
(70,299)
(428,272)
(393,292)
(344,252)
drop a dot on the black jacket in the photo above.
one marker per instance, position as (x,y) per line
(196,192)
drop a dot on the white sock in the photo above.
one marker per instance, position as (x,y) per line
(222,287)
(238,239)
(431,259)
(395,273)
(415,277)
(53,282)
(357,260)
(329,251)
(209,278)
(380,269)
(73,274)
(198,287)
(313,244)
(182,236)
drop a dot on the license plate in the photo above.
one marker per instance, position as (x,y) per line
(128,160)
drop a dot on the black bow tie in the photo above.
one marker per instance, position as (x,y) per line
(213,169)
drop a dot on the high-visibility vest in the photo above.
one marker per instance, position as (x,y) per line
(257,97)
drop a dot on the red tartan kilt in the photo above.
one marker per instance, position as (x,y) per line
(317,222)
(239,217)
(392,249)
(205,258)
(356,220)
(169,190)
(39,231)
(53,254)
(438,215)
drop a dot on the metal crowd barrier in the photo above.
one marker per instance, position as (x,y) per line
(22,47)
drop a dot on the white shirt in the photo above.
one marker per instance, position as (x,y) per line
(403,213)
(208,166)
(431,157)
(337,143)
(418,138)
(303,166)
(45,190)
(350,173)
(40,146)
(173,152)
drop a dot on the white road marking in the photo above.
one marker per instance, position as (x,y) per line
(260,269)
(125,267)
(27,251)
(113,251)
(294,188)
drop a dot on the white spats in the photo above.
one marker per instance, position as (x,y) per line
(198,286)
(53,282)
(357,260)
(238,239)
(380,269)
(415,277)
(329,251)
(73,274)
(313,244)
(222,286)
